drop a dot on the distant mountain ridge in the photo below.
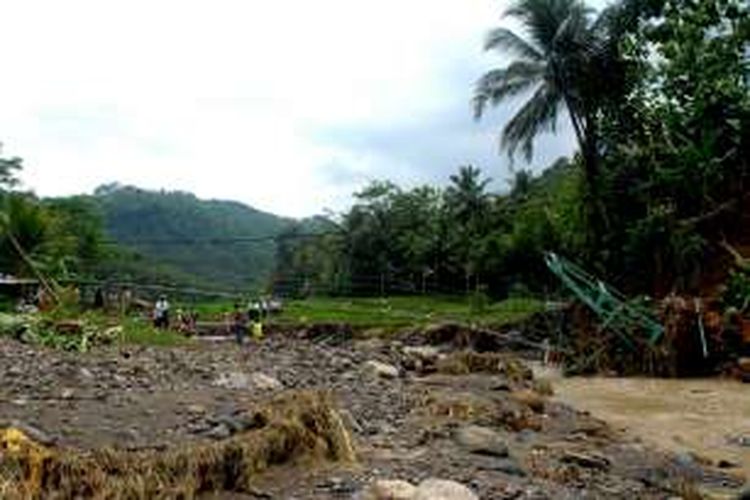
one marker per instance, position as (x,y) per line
(222,244)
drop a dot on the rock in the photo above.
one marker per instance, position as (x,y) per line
(726,464)
(221,431)
(543,387)
(67,393)
(586,461)
(196,409)
(501,387)
(264,382)
(241,422)
(481,440)
(743,441)
(441,489)
(86,373)
(128,438)
(338,486)
(744,364)
(529,398)
(380,369)
(509,467)
(426,354)
(233,380)
(389,490)
(32,432)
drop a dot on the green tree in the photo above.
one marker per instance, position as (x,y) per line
(9,169)
(75,237)
(677,146)
(467,207)
(569,60)
(549,66)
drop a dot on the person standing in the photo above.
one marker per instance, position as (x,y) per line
(99,299)
(239,324)
(161,313)
(255,314)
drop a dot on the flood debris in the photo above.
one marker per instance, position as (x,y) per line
(697,340)
(294,426)
(466,362)
(603,331)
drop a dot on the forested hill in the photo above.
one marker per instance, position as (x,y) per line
(222,244)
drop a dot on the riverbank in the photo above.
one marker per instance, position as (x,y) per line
(698,419)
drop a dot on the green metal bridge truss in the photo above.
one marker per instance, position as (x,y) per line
(618,314)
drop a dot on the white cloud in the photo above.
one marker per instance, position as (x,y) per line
(226,97)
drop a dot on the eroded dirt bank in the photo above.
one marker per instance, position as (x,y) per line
(414,413)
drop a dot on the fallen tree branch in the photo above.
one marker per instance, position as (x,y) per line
(700,219)
(739,260)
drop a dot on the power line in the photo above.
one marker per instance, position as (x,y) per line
(217,241)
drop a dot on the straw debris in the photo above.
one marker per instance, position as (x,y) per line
(292,427)
(466,362)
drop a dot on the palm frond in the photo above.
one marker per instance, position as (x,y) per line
(499,84)
(542,18)
(505,39)
(538,114)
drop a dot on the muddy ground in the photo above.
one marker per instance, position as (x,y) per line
(410,424)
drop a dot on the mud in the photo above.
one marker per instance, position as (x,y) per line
(709,418)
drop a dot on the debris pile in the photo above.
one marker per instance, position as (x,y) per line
(69,335)
(696,340)
(296,425)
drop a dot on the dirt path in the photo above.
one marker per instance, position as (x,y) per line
(707,417)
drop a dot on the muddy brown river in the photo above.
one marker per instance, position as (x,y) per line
(707,417)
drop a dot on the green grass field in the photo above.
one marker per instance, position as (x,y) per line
(391,313)
(398,312)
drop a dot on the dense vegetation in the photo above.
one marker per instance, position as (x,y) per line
(658,95)
(61,238)
(657,92)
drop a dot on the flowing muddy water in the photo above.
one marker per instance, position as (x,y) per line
(708,417)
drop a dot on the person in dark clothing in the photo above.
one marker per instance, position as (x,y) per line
(239,324)
(99,299)
(254,312)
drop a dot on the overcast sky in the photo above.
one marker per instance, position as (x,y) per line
(288,106)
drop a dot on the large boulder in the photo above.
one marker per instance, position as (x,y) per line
(239,380)
(481,440)
(531,399)
(380,369)
(264,382)
(423,353)
(232,380)
(389,490)
(441,489)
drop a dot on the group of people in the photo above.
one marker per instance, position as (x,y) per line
(185,321)
(250,319)
(240,322)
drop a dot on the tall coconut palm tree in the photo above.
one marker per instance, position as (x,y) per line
(554,66)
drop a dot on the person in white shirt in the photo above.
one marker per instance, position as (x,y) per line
(161,313)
